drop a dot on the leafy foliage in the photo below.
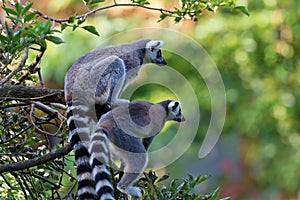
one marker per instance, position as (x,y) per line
(177,189)
(193,9)
(142,2)
(184,189)
(21,32)
(21,140)
(24,31)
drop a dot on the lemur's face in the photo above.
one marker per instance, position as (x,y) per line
(175,111)
(154,53)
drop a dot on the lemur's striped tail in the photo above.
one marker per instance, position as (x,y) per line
(98,160)
(77,121)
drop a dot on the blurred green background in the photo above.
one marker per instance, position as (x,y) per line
(257,155)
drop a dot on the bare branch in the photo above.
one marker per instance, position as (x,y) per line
(36,161)
(48,109)
(29,93)
(45,180)
(83,16)
(34,67)
(17,135)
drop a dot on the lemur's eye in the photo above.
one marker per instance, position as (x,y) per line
(158,54)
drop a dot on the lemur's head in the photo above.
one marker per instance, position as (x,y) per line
(153,53)
(174,111)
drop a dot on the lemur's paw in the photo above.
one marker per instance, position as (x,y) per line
(134,192)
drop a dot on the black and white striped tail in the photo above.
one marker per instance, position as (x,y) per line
(98,160)
(79,136)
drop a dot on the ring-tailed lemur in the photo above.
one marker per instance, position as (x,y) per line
(92,85)
(128,141)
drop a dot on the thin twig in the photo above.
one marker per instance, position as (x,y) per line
(36,161)
(13,105)
(7,182)
(48,110)
(64,171)
(31,194)
(33,123)
(70,190)
(83,16)
(151,186)
(33,184)
(34,67)
(59,105)
(45,179)
(20,183)
(20,133)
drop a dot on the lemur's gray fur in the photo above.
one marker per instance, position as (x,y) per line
(92,85)
(129,142)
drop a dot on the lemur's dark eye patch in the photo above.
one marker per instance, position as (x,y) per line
(158,54)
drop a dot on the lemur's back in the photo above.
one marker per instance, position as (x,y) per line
(81,71)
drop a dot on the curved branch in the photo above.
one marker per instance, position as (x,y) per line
(36,161)
(29,93)
(83,16)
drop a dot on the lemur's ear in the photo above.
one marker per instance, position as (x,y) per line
(175,114)
(176,104)
(173,105)
(154,44)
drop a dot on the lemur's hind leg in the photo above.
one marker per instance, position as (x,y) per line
(135,164)
(109,75)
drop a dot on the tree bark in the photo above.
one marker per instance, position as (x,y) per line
(29,93)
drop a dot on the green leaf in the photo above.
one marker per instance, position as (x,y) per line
(215,194)
(91,29)
(96,1)
(43,43)
(29,17)
(3,38)
(87,2)
(19,8)
(80,21)
(54,39)
(26,8)
(46,26)
(162,17)
(14,19)
(178,19)
(226,198)
(72,19)
(243,9)
(197,180)
(63,26)
(10,11)
(9,31)
(142,2)
(164,177)
(74,27)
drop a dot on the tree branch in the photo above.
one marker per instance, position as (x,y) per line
(83,16)
(34,66)
(36,161)
(29,93)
